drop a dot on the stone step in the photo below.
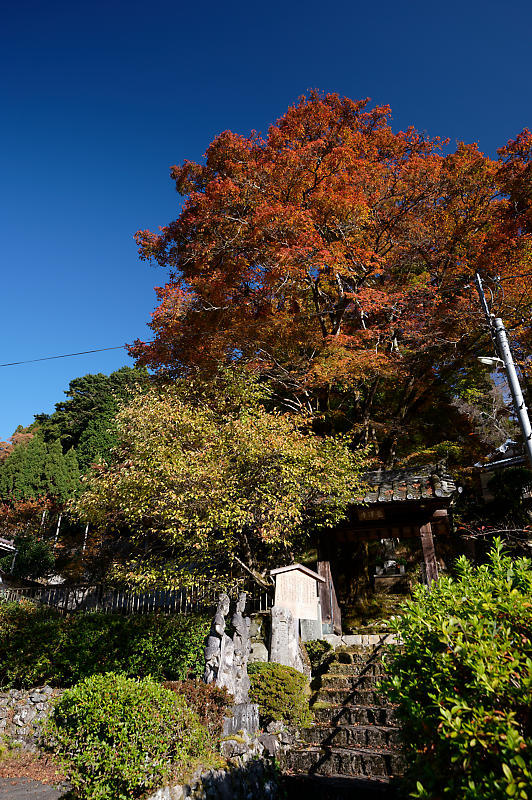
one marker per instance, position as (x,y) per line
(359,652)
(356,697)
(338,787)
(350,761)
(360,663)
(370,736)
(364,668)
(364,639)
(347,682)
(355,715)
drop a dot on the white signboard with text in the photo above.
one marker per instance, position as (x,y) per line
(296,588)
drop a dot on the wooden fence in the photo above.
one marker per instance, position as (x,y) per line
(190,600)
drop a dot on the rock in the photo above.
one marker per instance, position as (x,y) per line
(22,714)
(226,660)
(225,678)
(258,626)
(215,641)
(233,747)
(287,738)
(26,715)
(275,726)
(161,794)
(259,652)
(270,742)
(176,792)
(360,639)
(247,777)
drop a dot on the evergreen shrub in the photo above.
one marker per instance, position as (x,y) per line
(35,558)
(118,738)
(281,692)
(463,682)
(38,645)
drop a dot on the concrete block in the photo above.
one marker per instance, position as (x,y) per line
(334,640)
(352,640)
(310,629)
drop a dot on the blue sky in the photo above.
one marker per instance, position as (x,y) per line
(99,99)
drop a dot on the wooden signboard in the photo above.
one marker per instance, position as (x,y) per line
(296,588)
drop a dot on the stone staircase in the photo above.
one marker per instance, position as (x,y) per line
(353,748)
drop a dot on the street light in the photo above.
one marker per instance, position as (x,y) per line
(491,361)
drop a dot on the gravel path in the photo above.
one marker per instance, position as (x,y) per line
(24,789)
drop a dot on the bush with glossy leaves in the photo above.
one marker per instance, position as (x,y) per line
(119,738)
(463,682)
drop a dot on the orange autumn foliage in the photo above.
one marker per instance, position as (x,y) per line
(336,257)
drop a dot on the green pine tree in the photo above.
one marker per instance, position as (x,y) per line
(32,481)
(97,440)
(59,472)
(72,473)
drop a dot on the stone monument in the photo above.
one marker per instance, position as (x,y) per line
(219,649)
(284,647)
(242,649)
(226,663)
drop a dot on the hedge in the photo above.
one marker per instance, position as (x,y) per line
(38,645)
(281,692)
(463,682)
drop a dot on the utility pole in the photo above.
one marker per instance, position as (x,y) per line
(502,346)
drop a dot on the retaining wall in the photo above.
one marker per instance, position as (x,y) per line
(22,713)
(251,773)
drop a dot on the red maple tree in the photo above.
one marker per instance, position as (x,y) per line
(336,257)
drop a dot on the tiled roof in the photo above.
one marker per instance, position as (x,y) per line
(509,454)
(416,483)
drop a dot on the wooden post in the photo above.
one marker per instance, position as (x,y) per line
(429,554)
(330,610)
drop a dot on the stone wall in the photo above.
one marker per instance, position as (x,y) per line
(251,773)
(22,713)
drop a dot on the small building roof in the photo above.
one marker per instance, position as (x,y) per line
(299,567)
(7,545)
(509,454)
(429,482)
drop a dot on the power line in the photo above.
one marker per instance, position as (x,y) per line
(64,355)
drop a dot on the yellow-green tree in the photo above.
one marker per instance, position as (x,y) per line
(210,476)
